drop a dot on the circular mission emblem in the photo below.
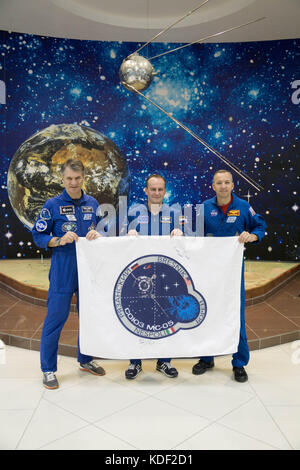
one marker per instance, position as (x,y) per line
(154,297)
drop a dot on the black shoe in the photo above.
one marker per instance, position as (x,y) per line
(240,375)
(202,367)
(132,371)
(167,369)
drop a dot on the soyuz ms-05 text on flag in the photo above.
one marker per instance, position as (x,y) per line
(150,297)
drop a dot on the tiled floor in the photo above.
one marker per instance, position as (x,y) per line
(190,412)
(274,321)
(153,412)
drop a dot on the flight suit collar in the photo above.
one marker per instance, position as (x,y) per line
(163,208)
(233,202)
(67,198)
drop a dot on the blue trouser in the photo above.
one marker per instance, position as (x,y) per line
(241,357)
(58,312)
(138,361)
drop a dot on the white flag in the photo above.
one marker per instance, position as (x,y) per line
(159,297)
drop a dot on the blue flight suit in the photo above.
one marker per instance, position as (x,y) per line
(145,223)
(239,217)
(59,215)
(141,219)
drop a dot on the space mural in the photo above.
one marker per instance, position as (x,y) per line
(61,97)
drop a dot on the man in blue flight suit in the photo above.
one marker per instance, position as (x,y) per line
(154,219)
(226,215)
(61,221)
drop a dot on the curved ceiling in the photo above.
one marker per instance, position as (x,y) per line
(151,14)
(139,20)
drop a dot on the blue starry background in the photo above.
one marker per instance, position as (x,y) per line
(238,97)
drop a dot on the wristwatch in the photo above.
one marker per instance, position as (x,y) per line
(58,241)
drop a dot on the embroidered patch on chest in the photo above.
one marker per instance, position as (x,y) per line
(69,227)
(63,210)
(233,212)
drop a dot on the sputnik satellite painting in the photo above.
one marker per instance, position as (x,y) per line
(137,72)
